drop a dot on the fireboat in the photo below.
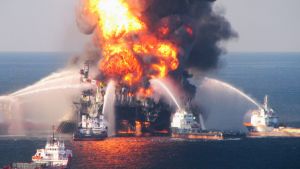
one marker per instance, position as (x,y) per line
(53,156)
(264,122)
(184,125)
(90,119)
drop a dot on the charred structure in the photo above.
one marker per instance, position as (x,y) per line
(135,114)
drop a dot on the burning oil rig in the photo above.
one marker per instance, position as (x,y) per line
(138,41)
(136,115)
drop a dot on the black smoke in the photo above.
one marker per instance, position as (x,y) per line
(200,51)
(210,28)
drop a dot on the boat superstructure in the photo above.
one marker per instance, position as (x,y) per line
(263,122)
(184,125)
(54,154)
(91,124)
(264,119)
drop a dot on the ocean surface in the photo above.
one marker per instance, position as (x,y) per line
(274,74)
(257,74)
(18,70)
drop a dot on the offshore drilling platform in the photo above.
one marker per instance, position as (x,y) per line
(136,114)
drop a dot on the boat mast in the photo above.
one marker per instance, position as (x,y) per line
(53,128)
(266,102)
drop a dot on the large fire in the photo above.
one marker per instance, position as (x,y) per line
(115,19)
(131,54)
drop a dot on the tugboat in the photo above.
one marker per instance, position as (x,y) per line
(91,124)
(264,122)
(184,125)
(53,156)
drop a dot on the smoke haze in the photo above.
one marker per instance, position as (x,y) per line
(39,106)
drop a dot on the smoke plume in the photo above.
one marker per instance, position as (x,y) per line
(191,25)
(209,28)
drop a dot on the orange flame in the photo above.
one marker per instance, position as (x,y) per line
(115,19)
(127,47)
(145,92)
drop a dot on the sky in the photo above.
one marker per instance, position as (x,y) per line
(39,26)
(263,25)
(49,25)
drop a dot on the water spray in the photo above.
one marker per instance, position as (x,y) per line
(75,86)
(108,107)
(234,89)
(202,122)
(61,77)
(165,88)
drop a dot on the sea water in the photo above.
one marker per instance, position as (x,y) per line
(257,74)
